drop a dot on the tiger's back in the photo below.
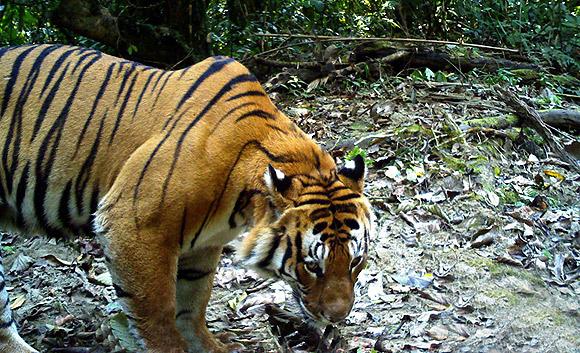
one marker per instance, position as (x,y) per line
(165,167)
(69,119)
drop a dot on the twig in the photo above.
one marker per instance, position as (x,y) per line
(278,63)
(389,39)
(532,117)
(385,60)
(284,47)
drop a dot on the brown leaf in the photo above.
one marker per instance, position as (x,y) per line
(439,333)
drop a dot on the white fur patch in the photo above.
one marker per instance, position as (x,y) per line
(269,179)
(350,164)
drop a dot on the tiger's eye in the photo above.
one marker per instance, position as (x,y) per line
(312,266)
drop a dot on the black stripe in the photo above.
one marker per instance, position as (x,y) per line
(129,69)
(63,208)
(2,285)
(298,246)
(336,224)
(202,226)
(343,208)
(93,208)
(4,50)
(252,143)
(100,94)
(247,94)
(319,227)
(241,203)
(158,94)
(184,71)
(161,73)
(191,274)
(121,293)
(282,131)
(84,174)
(231,111)
(212,69)
(325,236)
(57,65)
(21,192)
(16,121)
(314,202)
(346,197)
(273,247)
(319,213)
(316,159)
(53,137)
(82,58)
(47,102)
(257,113)
(138,103)
(287,255)
(338,188)
(122,110)
(15,130)
(13,77)
(351,223)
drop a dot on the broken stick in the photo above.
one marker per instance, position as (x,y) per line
(533,119)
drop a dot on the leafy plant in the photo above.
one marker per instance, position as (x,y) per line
(357,151)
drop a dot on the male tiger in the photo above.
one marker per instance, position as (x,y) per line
(166,167)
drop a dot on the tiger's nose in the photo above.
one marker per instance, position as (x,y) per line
(336,309)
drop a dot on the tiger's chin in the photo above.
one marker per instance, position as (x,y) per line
(316,321)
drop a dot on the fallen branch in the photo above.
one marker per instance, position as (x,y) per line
(399,55)
(435,60)
(533,119)
(559,118)
(387,39)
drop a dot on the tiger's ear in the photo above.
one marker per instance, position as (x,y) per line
(276,180)
(352,173)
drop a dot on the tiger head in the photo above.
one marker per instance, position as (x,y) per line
(314,235)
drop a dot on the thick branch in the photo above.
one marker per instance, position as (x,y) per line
(387,39)
(155,45)
(559,118)
(533,119)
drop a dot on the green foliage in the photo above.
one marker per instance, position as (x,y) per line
(7,249)
(547,31)
(357,151)
(428,75)
(22,24)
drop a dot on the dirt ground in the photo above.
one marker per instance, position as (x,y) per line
(476,249)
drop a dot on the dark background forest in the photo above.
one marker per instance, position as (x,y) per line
(174,34)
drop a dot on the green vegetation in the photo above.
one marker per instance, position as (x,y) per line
(547,31)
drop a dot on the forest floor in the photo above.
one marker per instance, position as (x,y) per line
(477,246)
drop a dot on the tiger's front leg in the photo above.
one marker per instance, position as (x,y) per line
(143,268)
(195,276)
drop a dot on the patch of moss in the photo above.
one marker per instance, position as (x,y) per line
(500,270)
(508,196)
(509,296)
(526,74)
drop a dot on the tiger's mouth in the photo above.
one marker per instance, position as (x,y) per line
(312,319)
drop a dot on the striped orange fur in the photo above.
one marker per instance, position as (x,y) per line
(166,167)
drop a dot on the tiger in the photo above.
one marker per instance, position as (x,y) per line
(165,167)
